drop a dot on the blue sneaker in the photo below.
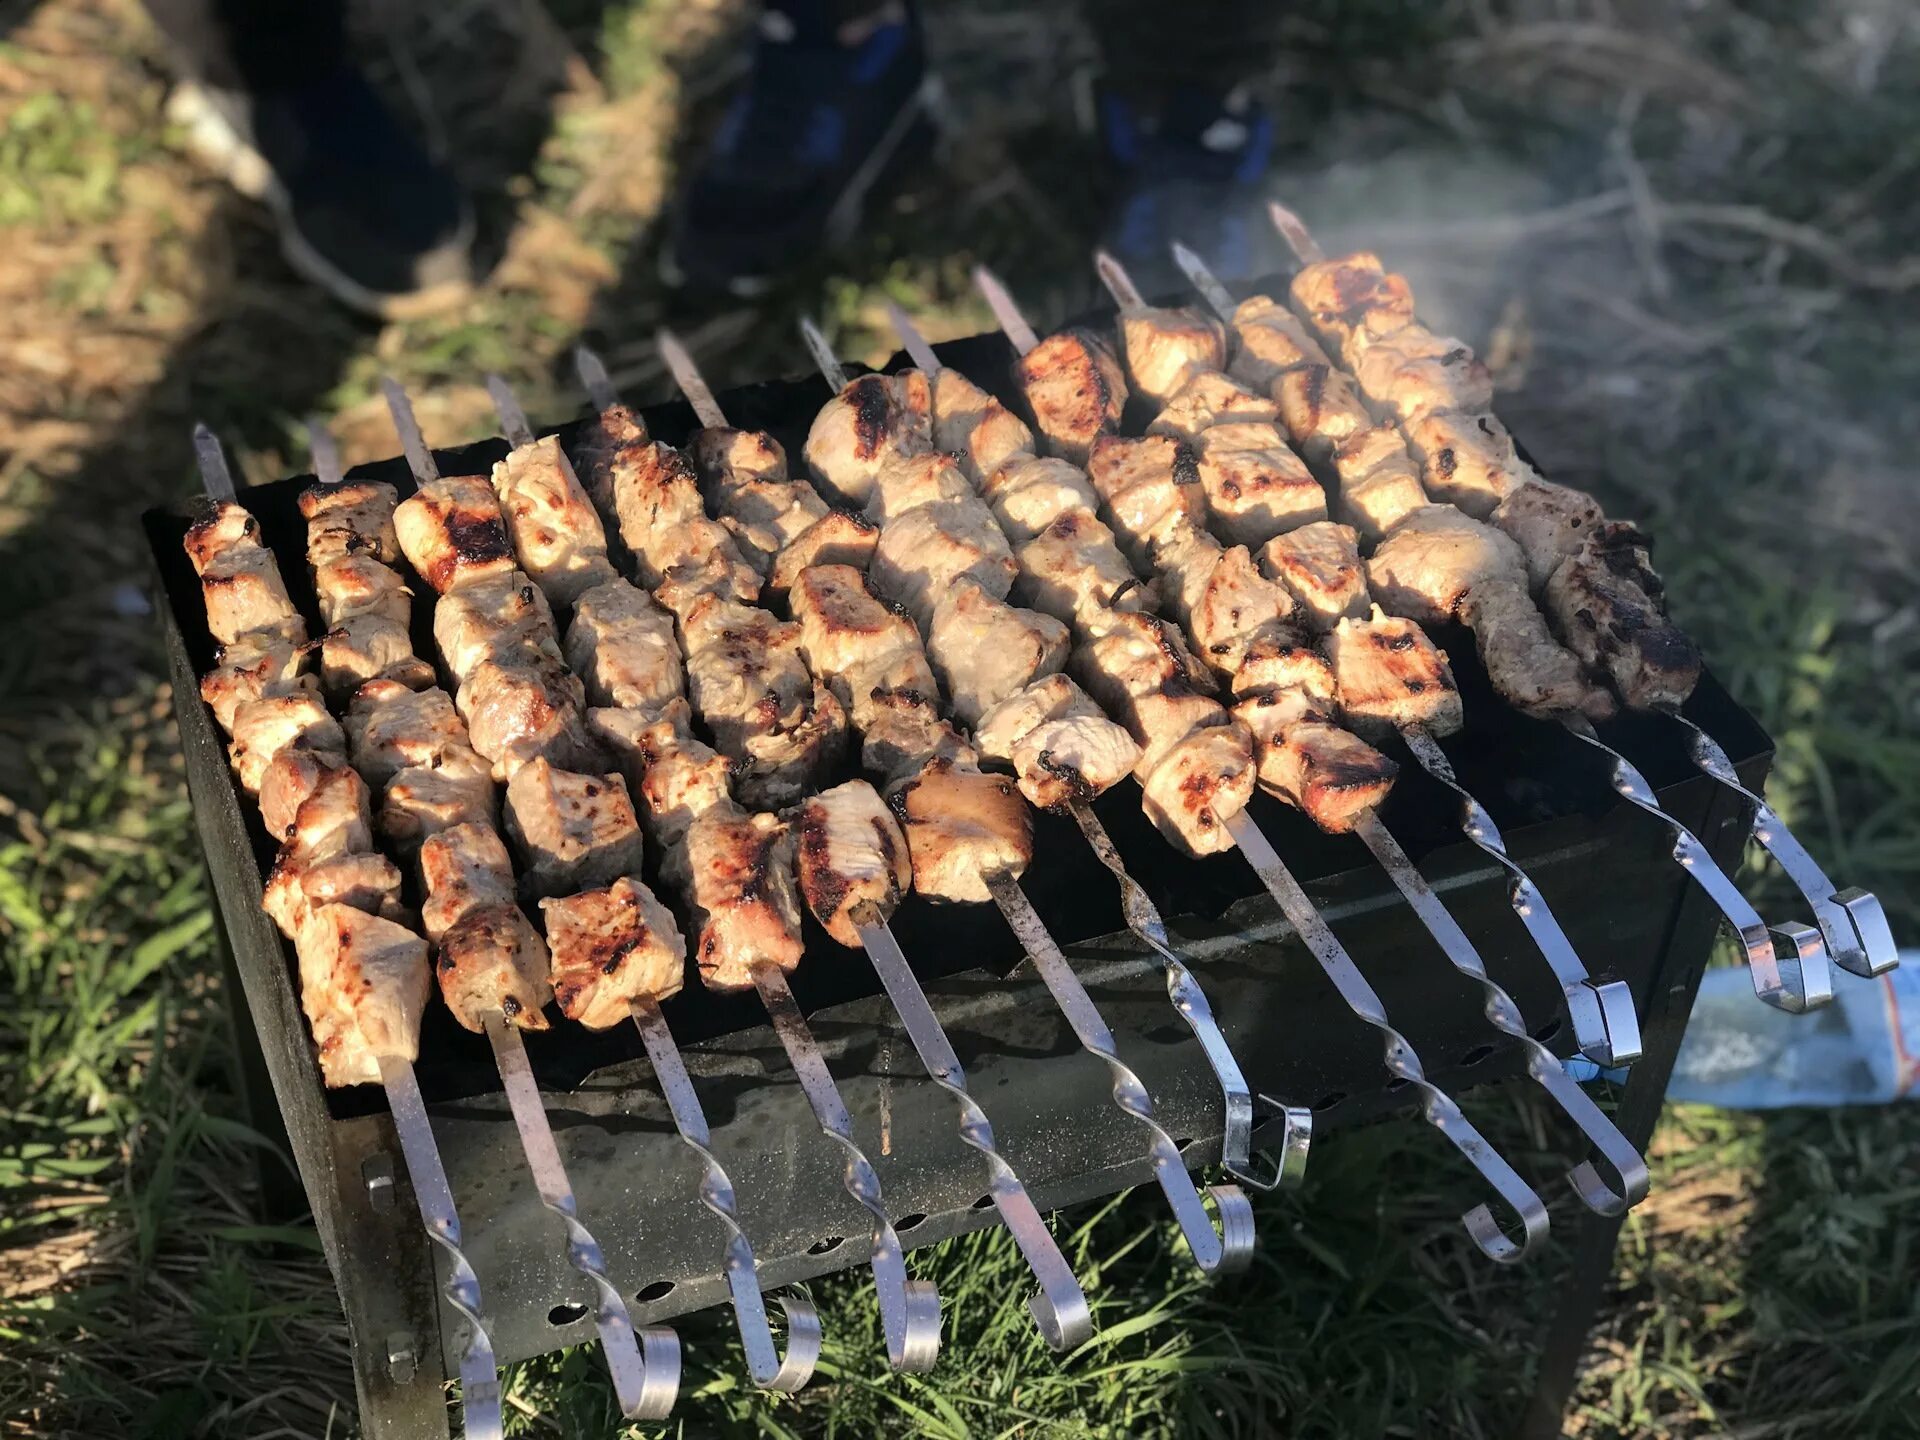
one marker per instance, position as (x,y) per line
(819,123)
(1194,175)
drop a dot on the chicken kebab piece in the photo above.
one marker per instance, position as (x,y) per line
(1052,731)
(1593,576)
(853,859)
(968,832)
(735,868)
(1142,671)
(1316,566)
(616,951)
(439,809)
(364,971)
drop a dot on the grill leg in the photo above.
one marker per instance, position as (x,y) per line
(1695,926)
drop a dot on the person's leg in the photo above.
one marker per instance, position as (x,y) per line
(834,96)
(271,99)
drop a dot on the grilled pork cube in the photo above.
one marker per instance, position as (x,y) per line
(747,677)
(837,538)
(556,532)
(605,444)
(290,777)
(1225,602)
(765,511)
(390,727)
(1530,670)
(742,897)
(927,551)
(904,732)
(713,569)
(362,648)
(1330,774)
(675,776)
(984,649)
(1548,522)
(1208,399)
(463,869)
(1392,676)
(423,800)
(906,482)
(296,889)
(1256,487)
(1075,389)
(1150,488)
(570,829)
(223,532)
(525,709)
(1434,558)
(610,948)
(1319,564)
(973,426)
(1278,664)
(654,498)
(1416,372)
(1605,605)
(1353,300)
(1075,572)
(361,585)
(264,727)
(852,637)
(1027,495)
(1060,744)
(253,668)
(1167,347)
(1269,340)
(962,826)
(623,647)
(490,619)
(245,596)
(1201,784)
(873,418)
(453,533)
(852,858)
(354,517)
(1143,675)
(1466,461)
(782,765)
(492,959)
(724,457)
(1377,501)
(333,814)
(364,982)
(1321,409)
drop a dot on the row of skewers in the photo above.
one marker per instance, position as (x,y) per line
(779,625)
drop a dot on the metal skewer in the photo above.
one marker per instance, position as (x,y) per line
(479,1377)
(1059,1307)
(1788,962)
(1216,1252)
(1605,1026)
(1437,1107)
(1143,918)
(644,1364)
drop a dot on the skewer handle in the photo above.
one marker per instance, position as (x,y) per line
(1437,1107)
(1220,1252)
(215,478)
(412,442)
(1629,1170)
(1006,313)
(645,1367)
(594,379)
(1236,1143)
(824,359)
(1119,283)
(909,1309)
(693,385)
(1604,1023)
(1059,1307)
(769,1369)
(324,452)
(479,1378)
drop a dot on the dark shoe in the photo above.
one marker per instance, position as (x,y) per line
(1193,174)
(818,124)
(362,211)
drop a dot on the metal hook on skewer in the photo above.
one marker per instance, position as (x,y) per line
(770,1370)
(1288,1165)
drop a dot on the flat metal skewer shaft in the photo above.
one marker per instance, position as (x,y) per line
(909,1309)
(769,1369)
(1059,1307)
(644,1366)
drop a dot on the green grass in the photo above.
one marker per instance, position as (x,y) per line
(1743,380)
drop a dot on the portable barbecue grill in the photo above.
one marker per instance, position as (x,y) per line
(1050,1106)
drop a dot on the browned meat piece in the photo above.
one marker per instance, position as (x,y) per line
(453,533)
(492,959)
(744,903)
(1391,675)
(1074,571)
(1200,784)
(1605,605)
(1167,347)
(390,727)
(491,619)
(675,776)
(1268,342)
(571,830)
(253,668)
(1352,298)
(1059,743)
(1321,409)
(713,569)
(904,732)
(363,984)
(296,890)
(874,418)
(1466,461)
(612,947)
(1075,389)
(1415,372)
(1319,564)
(525,709)
(262,728)
(361,585)
(354,517)
(364,648)
(962,827)
(984,650)
(927,551)
(852,859)
(1209,399)
(1028,495)
(651,492)
(556,533)
(1225,603)
(464,868)
(852,638)
(906,482)
(423,800)
(240,580)
(725,457)
(1548,522)
(1379,483)
(1330,774)
(744,476)
(974,426)
(1531,671)
(1150,488)
(289,779)
(837,538)
(623,647)
(1256,487)
(329,818)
